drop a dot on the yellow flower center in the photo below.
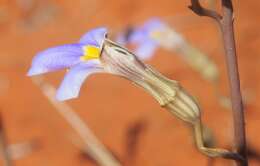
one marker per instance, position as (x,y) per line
(90,52)
(156,34)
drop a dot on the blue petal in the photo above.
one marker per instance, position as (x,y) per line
(56,58)
(146,50)
(154,24)
(143,32)
(70,86)
(94,37)
(121,39)
(138,36)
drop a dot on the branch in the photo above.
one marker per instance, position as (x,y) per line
(227,27)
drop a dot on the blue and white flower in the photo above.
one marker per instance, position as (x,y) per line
(81,59)
(147,38)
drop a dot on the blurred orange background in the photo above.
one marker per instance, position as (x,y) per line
(117,111)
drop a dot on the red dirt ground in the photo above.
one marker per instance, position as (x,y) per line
(111,105)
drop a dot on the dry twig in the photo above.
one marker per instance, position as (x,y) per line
(94,147)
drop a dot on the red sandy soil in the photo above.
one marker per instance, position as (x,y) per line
(110,105)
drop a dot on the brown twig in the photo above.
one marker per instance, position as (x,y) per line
(199,10)
(3,145)
(227,28)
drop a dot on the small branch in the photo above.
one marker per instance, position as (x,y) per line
(94,147)
(199,10)
(3,145)
(226,25)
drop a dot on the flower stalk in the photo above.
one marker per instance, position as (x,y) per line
(211,152)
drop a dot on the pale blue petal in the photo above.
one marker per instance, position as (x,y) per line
(56,58)
(124,37)
(73,80)
(145,51)
(121,39)
(94,37)
(154,24)
(138,36)
(142,33)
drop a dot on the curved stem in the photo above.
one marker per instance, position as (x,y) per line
(212,152)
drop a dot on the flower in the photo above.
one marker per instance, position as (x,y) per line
(142,38)
(148,37)
(81,59)
(96,53)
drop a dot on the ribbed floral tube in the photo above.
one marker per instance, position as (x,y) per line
(169,93)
